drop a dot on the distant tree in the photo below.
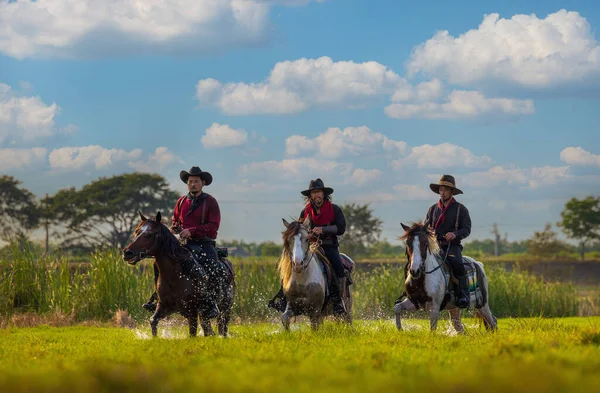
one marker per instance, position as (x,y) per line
(385,248)
(19,211)
(546,243)
(270,249)
(581,221)
(362,229)
(104,212)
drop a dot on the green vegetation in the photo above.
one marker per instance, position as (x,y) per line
(525,355)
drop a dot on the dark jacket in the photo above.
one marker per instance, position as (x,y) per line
(332,230)
(450,222)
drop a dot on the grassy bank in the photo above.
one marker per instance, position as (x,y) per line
(526,355)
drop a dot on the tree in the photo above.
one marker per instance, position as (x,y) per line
(546,243)
(362,229)
(19,211)
(270,249)
(581,221)
(104,212)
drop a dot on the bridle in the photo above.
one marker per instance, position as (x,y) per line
(421,269)
(306,260)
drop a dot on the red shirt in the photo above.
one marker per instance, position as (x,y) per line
(203,222)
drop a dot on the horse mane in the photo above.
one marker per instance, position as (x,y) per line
(166,242)
(418,226)
(284,263)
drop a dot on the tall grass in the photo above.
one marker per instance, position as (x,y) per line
(96,290)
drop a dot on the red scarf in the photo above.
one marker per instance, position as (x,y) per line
(326,215)
(442,216)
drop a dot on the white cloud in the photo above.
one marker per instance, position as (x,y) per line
(11,159)
(76,158)
(335,143)
(298,167)
(401,192)
(530,177)
(222,135)
(579,156)
(360,177)
(90,28)
(294,86)
(525,50)
(459,104)
(443,155)
(25,119)
(160,159)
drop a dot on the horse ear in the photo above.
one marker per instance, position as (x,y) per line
(158,217)
(405,227)
(285,223)
(142,216)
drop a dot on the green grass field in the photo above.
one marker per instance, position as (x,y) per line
(525,355)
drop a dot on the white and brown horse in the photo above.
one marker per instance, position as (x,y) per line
(303,278)
(427,282)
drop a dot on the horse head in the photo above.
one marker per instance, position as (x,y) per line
(144,241)
(296,243)
(420,242)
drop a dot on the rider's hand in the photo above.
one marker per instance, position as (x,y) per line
(317,230)
(185,234)
(450,236)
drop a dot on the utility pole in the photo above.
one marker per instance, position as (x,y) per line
(496,234)
(46,224)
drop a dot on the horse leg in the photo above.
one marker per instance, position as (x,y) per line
(456,322)
(207,328)
(159,314)
(286,317)
(489,320)
(405,305)
(223,319)
(315,320)
(193,323)
(434,316)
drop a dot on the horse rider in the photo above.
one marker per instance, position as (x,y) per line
(327,222)
(196,218)
(451,223)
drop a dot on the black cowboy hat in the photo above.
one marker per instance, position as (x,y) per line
(446,181)
(196,171)
(317,184)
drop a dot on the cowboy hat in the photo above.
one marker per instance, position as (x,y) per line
(446,181)
(196,171)
(317,184)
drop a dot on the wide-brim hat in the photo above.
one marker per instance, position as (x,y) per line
(317,184)
(196,171)
(446,181)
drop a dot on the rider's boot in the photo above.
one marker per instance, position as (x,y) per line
(337,292)
(278,302)
(462,292)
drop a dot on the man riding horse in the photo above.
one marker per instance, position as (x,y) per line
(327,222)
(196,218)
(451,222)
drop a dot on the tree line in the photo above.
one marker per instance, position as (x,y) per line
(104,212)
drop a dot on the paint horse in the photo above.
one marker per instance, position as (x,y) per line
(428,278)
(304,276)
(177,292)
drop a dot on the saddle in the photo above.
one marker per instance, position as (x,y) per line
(222,254)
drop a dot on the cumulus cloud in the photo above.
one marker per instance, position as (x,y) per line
(89,28)
(24,119)
(443,155)
(460,104)
(524,50)
(579,156)
(530,177)
(11,159)
(222,135)
(335,143)
(74,158)
(360,177)
(400,192)
(294,86)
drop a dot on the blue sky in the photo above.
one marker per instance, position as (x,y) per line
(377,98)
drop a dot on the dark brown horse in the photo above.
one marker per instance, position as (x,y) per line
(177,292)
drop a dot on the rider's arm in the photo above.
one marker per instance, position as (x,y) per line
(175,219)
(340,223)
(213,214)
(464,224)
